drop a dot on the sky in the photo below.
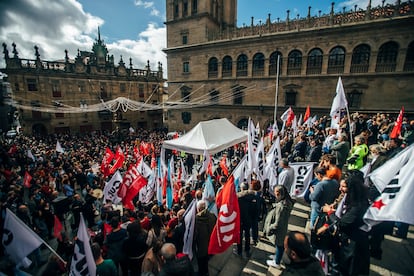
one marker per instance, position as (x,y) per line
(131,28)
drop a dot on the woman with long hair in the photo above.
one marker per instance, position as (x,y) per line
(353,254)
(276,223)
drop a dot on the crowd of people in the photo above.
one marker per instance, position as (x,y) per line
(149,239)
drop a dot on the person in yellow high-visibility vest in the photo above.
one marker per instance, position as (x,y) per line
(357,154)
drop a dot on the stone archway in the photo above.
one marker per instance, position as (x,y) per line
(39,129)
(243,123)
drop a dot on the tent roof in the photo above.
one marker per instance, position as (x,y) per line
(213,136)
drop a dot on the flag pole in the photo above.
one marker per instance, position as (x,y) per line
(351,140)
(277,88)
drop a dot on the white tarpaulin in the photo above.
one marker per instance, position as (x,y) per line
(213,136)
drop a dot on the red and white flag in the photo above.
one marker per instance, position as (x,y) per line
(395,181)
(339,103)
(27,180)
(396,131)
(119,160)
(106,161)
(227,228)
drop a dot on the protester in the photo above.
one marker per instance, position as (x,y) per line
(104,267)
(248,215)
(204,224)
(172,265)
(297,256)
(276,223)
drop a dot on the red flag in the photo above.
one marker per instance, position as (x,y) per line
(133,190)
(227,229)
(153,161)
(27,179)
(119,160)
(223,166)
(396,131)
(106,161)
(136,153)
(145,148)
(57,229)
(307,114)
(290,117)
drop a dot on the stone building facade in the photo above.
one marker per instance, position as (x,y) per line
(64,96)
(216,69)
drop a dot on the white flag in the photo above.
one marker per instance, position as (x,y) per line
(303,176)
(189,220)
(83,262)
(144,169)
(30,155)
(240,172)
(339,102)
(146,194)
(252,143)
(111,188)
(59,147)
(340,209)
(206,161)
(18,239)
(260,159)
(395,181)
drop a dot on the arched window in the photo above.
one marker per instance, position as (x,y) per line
(314,64)
(360,59)
(336,60)
(242,66)
(227,68)
(273,63)
(258,64)
(387,57)
(213,68)
(409,58)
(294,63)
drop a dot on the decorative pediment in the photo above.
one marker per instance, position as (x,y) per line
(355,85)
(292,86)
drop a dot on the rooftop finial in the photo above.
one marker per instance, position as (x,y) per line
(99,34)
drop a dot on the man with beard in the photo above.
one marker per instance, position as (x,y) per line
(297,256)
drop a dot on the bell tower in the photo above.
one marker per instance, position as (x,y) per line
(192,21)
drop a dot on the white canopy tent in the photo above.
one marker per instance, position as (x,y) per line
(213,136)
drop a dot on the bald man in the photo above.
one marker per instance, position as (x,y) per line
(174,266)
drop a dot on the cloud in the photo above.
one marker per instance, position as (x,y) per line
(63,24)
(148,5)
(362,4)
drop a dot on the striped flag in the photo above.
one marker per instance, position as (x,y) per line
(189,220)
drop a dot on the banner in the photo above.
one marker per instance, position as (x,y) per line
(303,176)
(112,187)
(83,262)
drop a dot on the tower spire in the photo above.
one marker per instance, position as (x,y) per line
(99,34)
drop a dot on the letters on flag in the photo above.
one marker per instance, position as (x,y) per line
(18,239)
(395,181)
(112,187)
(274,155)
(227,228)
(189,220)
(303,176)
(83,262)
(252,143)
(260,159)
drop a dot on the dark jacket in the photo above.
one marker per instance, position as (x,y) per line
(309,266)
(177,267)
(248,207)
(204,224)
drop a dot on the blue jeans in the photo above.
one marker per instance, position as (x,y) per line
(279,253)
